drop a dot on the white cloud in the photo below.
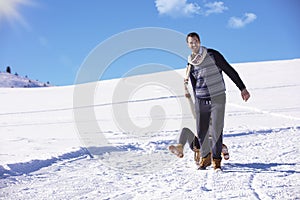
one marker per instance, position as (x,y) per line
(177,8)
(215,7)
(239,22)
(9,11)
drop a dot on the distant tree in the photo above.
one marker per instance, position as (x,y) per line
(48,82)
(16,74)
(8,70)
(26,76)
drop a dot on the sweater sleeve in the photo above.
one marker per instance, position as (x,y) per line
(228,69)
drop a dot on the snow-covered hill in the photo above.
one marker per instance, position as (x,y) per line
(45,155)
(8,80)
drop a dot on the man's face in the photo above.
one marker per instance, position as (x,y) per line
(194,44)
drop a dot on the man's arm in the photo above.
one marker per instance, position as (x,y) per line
(230,71)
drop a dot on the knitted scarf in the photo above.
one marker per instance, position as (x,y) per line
(196,59)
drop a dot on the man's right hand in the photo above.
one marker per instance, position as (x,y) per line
(188,95)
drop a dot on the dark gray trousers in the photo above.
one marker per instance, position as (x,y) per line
(186,135)
(213,110)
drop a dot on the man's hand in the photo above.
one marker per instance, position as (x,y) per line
(187,95)
(245,94)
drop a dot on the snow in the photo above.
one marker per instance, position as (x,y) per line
(43,155)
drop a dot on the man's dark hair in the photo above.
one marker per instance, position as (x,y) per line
(192,34)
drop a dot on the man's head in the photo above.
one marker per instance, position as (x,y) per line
(193,41)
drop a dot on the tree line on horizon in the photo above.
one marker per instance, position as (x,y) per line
(9,71)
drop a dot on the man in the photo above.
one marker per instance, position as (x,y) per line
(205,67)
(186,135)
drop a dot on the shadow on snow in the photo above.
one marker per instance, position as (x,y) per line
(259,167)
(21,168)
(17,169)
(262,132)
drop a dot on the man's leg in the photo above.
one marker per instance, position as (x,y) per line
(202,123)
(217,116)
(186,135)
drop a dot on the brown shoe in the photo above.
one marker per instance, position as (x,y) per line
(205,162)
(225,152)
(197,156)
(177,150)
(217,163)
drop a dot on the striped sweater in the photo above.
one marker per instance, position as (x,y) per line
(207,79)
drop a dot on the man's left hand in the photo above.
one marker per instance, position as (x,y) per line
(245,94)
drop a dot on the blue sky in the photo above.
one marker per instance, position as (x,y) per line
(49,40)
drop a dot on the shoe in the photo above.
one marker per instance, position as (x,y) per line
(205,162)
(197,156)
(225,152)
(177,150)
(217,163)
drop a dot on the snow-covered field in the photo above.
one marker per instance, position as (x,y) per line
(45,153)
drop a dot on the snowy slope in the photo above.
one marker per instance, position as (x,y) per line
(43,156)
(8,80)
